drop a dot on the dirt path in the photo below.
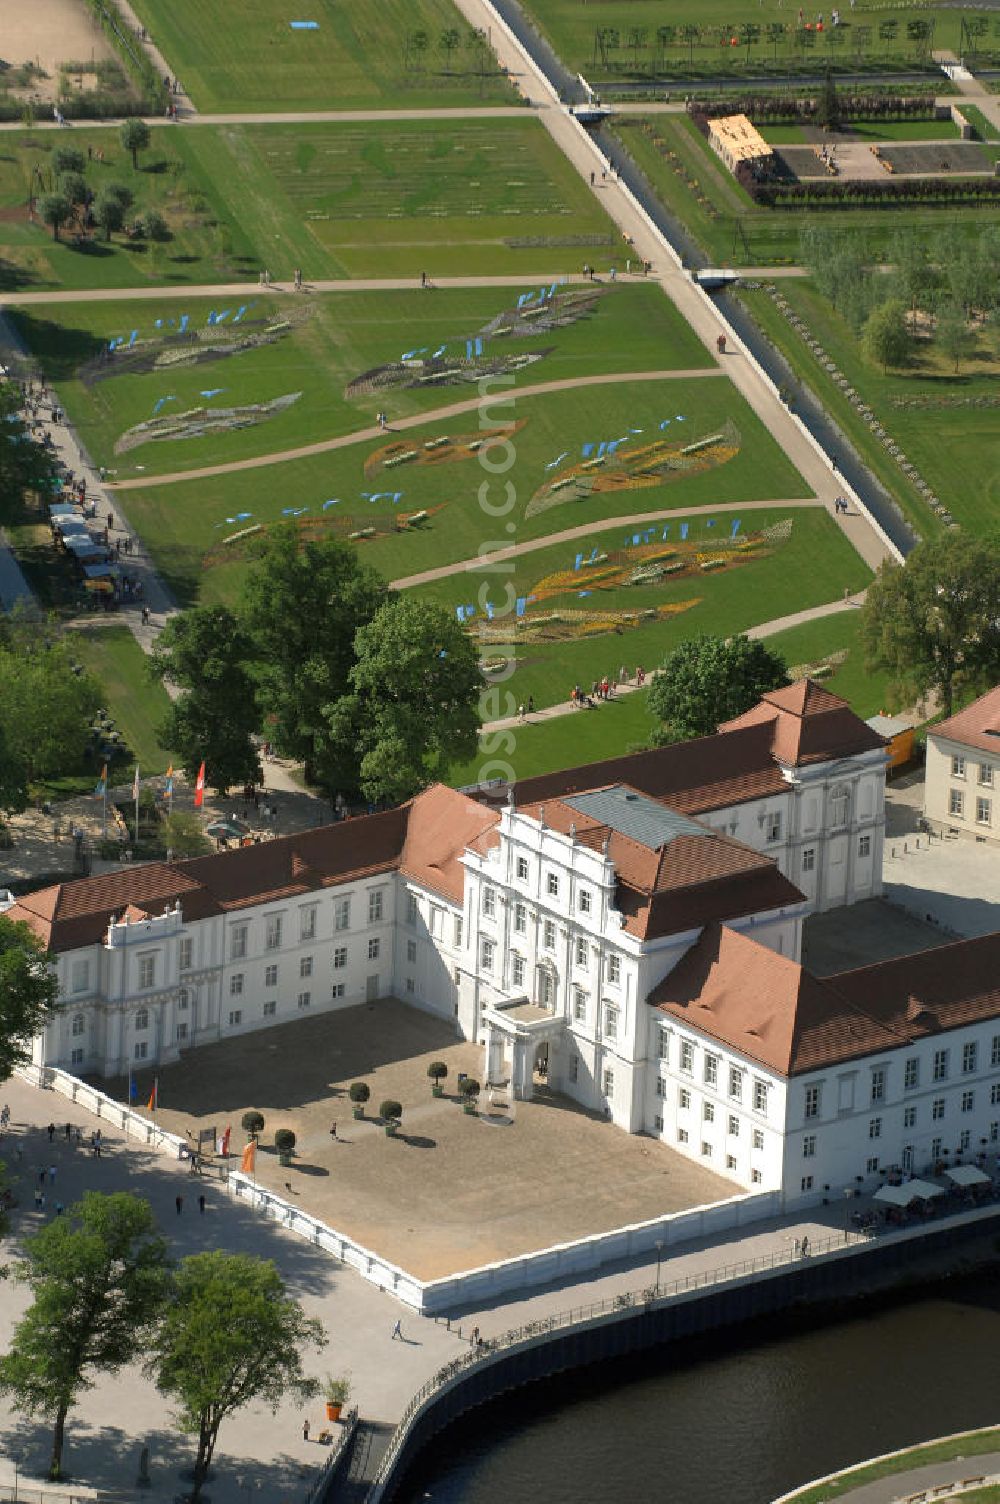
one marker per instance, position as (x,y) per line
(249,289)
(415,420)
(601,525)
(188,116)
(629,686)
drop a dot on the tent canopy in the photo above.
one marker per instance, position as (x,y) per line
(894,1195)
(967,1175)
(925,1189)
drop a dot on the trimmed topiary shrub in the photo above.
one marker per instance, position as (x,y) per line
(253,1123)
(359,1093)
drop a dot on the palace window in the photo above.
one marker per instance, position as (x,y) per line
(521,918)
(147,971)
(489,903)
(305,966)
(809,1146)
(958,767)
(970,1057)
(522,869)
(411,951)
(911,1073)
(711,1070)
(340,958)
(375,906)
(141,1021)
(614,968)
(549,935)
(940,1065)
(271,975)
(487,951)
(186,950)
(342,914)
(272,932)
(374,947)
(238,942)
(412,908)
(813,1099)
(552,885)
(307,922)
(584,901)
(517,971)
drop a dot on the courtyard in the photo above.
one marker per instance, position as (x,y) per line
(451,1191)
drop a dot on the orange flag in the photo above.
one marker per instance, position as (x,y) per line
(199,788)
(249,1157)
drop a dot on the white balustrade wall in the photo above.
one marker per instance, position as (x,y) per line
(49,1078)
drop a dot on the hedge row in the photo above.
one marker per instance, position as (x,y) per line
(770,109)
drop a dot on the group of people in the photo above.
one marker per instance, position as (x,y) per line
(605,689)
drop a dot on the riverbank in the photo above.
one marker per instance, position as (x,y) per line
(966,1458)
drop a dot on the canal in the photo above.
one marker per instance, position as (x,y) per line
(738,1418)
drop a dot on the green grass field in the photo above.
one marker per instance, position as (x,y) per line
(695,186)
(624,724)
(335,338)
(648,45)
(359,57)
(132,698)
(938,438)
(181,521)
(376,200)
(395,198)
(201,248)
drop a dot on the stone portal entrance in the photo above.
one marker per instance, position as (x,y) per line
(520,1038)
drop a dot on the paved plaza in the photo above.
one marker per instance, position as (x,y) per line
(451,1191)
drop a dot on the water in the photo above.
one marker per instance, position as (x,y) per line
(738,1419)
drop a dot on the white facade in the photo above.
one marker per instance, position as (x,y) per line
(962,788)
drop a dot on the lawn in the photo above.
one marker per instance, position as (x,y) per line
(201,248)
(731,229)
(135,702)
(394,198)
(678,43)
(333,339)
(939,433)
(185,524)
(360,56)
(813,567)
(382,199)
(965,1447)
(624,724)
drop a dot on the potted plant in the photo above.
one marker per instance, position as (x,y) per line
(284,1142)
(336,1392)
(253,1123)
(390,1112)
(437,1070)
(470,1091)
(359,1093)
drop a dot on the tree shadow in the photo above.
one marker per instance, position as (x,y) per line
(316,1171)
(61,349)
(417,1141)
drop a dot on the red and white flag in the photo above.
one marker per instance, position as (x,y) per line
(225,1142)
(199,788)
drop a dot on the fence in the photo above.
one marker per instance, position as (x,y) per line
(613,1307)
(49,1078)
(320,1483)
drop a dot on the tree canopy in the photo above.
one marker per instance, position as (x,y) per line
(99,1277)
(415,707)
(28,989)
(707,680)
(204,653)
(934,622)
(230,1335)
(302,607)
(24,465)
(48,704)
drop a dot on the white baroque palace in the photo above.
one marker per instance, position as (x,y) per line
(630,930)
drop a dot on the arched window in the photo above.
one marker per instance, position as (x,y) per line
(141,1020)
(79,1024)
(839,800)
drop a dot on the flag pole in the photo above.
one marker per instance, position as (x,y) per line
(137,804)
(104,815)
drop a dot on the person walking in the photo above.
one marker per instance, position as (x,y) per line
(39,1199)
(179,1203)
(69,1132)
(333,1129)
(397,1331)
(52,1174)
(51,1130)
(201,1204)
(305,1429)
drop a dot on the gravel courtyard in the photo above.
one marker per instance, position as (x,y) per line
(451,1192)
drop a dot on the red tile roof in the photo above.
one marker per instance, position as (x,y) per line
(426,836)
(809,725)
(692,777)
(978,725)
(774,1011)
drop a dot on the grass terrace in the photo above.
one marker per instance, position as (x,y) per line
(135,701)
(939,418)
(624,725)
(741,40)
(329,341)
(358,56)
(394,198)
(185,525)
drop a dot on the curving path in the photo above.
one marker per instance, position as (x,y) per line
(601,525)
(414,420)
(763,629)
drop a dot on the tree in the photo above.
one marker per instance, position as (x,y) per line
(204,653)
(749,36)
(691,34)
(885,337)
(54,210)
(47,703)
(887,31)
(231,1335)
(417,43)
(252,1123)
(109,212)
(776,35)
(302,607)
(183,835)
(448,41)
(73,187)
(68,159)
(933,623)
(24,464)
(707,680)
(953,336)
(415,707)
(29,989)
(134,136)
(99,1277)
